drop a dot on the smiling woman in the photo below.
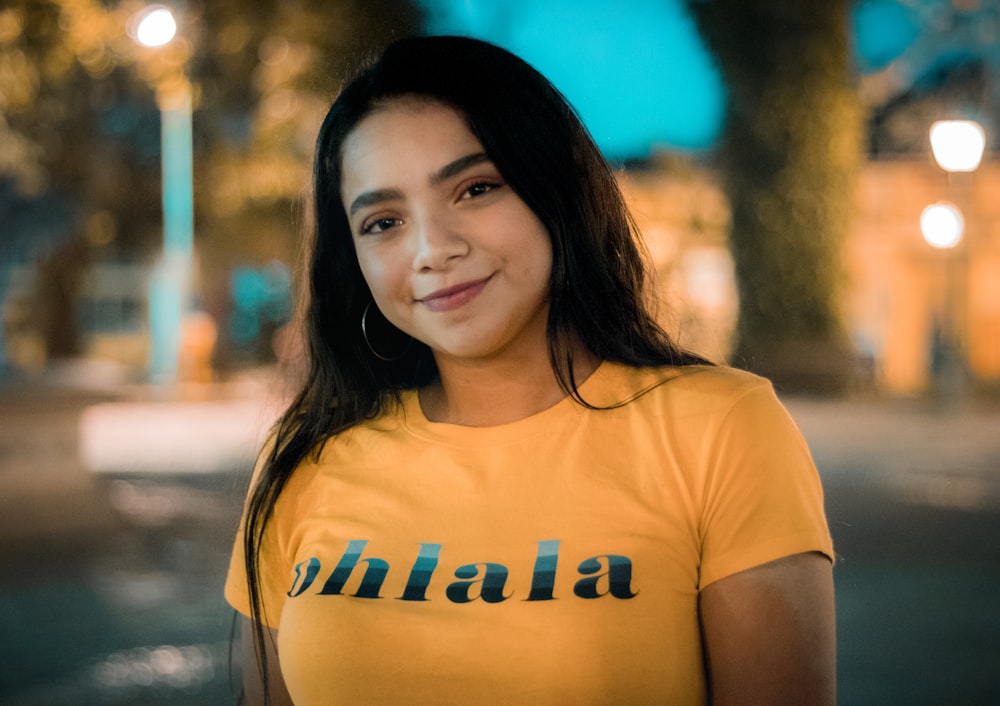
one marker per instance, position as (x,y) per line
(541,498)
(451,253)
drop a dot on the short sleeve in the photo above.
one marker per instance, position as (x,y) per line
(763,498)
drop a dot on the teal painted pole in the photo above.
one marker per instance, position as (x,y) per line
(170,284)
(178,206)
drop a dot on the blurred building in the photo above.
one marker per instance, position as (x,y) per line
(895,293)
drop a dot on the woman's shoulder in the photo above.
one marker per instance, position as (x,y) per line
(689,385)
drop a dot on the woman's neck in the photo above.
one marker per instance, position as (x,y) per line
(488,393)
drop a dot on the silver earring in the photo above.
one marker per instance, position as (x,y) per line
(364,335)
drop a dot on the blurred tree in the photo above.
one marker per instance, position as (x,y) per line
(74,141)
(79,128)
(789,151)
(265,80)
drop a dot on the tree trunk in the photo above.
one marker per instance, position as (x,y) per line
(788,154)
(60,277)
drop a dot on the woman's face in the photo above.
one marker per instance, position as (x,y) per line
(451,253)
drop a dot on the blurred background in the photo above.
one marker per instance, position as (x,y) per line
(816,184)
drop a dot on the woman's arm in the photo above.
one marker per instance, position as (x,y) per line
(253,684)
(770,636)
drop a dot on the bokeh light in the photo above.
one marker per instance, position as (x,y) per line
(941,225)
(155,27)
(958,145)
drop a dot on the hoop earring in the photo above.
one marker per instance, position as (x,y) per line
(364,335)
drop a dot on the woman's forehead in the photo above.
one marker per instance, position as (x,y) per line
(398,134)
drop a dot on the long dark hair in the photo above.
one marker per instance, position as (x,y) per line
(542,150)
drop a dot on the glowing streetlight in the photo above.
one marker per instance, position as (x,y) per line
(170,285)
(958,145)
(154,26)
(942,225)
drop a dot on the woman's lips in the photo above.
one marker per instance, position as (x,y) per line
(451,298)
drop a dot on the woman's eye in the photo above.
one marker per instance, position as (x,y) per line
(479,188)
(379,225)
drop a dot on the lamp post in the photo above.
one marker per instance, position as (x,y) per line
(170,284)
(957,146)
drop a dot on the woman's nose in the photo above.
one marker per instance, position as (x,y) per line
(439,241)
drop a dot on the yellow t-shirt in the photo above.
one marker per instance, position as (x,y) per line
(553,560)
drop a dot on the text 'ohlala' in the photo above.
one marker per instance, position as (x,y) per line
(605,574)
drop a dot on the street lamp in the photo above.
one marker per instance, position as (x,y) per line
(942,225)
(170,284)
(155,26)
(957,146)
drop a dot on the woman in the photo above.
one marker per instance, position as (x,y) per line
(502,482)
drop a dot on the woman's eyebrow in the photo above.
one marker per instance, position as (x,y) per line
(370,198)
(458,166)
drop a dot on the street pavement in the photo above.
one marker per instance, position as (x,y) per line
(114,540)
(913,502)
